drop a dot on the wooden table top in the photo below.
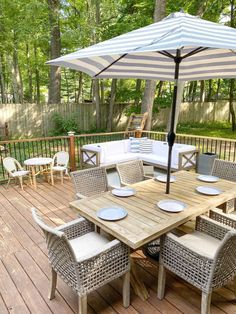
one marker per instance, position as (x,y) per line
(145,221)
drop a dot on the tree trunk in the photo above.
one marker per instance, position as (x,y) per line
(29,71)
(96,99)
(202,91)
(111,105)
(37,77)
(102,91)
(79,95)
(159,91)
(16,73)
(54,92)
(67,86)
(209,95)
(150,86)
(137,90)
(218,89)
(2,81)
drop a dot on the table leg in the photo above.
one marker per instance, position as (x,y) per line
(34,177)
(138,286)
(51,173)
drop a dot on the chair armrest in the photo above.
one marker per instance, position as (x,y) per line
(211,227)
(148,177)
(223,218)
(80,196)
(76,228)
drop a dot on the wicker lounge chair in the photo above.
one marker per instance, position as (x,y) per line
(84,259)
(206,258)
(90,182)
(60,164)
(131,172)
(226,219)
(15,170)
(225,170)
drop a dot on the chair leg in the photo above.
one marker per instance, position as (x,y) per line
(61,173)
(21,182)
(82,304)
(126,290)
(161,282)
(8,182)
(53,284)
(206,303)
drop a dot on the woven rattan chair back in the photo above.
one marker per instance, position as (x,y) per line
(61,159)
(130,172)
(90,182)
(224,169)
(225,262)
(11,164)
(60,254)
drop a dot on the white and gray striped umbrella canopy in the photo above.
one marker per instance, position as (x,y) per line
(208,50)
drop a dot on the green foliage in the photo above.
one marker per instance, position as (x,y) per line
(62,125)
(211,129)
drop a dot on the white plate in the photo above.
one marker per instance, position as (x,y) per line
(172,206)
(208,190)
(112,213)
(207,178)
(123,192)
(163,178)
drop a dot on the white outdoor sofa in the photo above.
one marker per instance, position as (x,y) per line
(108,154)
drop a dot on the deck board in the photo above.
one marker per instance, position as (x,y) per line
(25,273)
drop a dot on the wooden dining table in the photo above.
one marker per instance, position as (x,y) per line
(145,220)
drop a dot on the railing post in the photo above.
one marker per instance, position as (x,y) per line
(71,135)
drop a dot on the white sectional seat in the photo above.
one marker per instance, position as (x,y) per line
(110,153)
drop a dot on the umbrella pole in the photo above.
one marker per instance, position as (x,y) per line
(171,133)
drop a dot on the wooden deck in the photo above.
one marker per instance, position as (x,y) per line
(24,271)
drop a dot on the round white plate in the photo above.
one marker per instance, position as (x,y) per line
(112,213)
(172,206)
(208,190)
(123,192)
(163,178)
(207,178)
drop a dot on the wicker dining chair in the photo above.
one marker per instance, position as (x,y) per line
(225,170)
(226,219)
(60,164)
(15,171)
(84,259)
(89,182)
(131,172)
(205,258)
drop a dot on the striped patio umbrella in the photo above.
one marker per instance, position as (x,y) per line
(181,47)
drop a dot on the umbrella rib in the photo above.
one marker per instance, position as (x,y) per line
(195,51)
(166,54)
(107,67)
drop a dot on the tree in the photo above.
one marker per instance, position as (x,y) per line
(150,86)
(54,91)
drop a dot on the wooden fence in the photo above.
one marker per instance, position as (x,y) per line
(32,120)
(48,146)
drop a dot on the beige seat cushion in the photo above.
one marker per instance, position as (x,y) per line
(20,173)
(87,244)
(200,243)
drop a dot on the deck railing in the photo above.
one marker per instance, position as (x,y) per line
(48,146)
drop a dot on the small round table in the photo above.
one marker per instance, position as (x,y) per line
(44,162)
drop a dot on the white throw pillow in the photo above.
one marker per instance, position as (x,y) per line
(134,144)
(145,147)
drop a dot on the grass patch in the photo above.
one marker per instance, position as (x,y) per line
(211,129)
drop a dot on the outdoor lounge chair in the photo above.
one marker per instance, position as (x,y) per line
(225,170)
(60,164)
(205,258)
(90,182)
(131,172)
(226,219)
(15,170)
(84,259)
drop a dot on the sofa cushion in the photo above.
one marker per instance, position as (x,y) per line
(115,159)
(157,159)
(115,147)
